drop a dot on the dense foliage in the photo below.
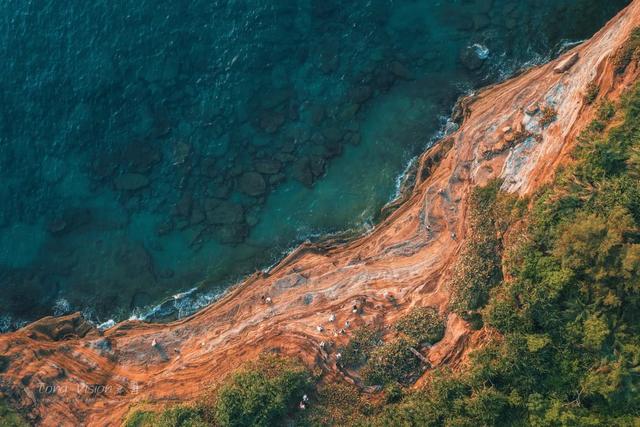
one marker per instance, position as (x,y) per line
(10,418)
(423,325)
(176,416)
(395,360)
(392,362)
(363,340)
(628,52)
(261,393)
(479,265)
(336,404)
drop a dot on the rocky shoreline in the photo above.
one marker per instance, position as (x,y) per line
(375,279)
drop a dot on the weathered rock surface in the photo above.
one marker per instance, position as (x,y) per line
(566,63)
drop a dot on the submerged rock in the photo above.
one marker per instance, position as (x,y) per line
(225,212)
(131,181)
(301,171)
(183,206)
(70,220)
(400,71)
(317,165)
(473,57)
(232,233)
(271,121)
(361,94)
(140,156)
(268,166)
(252,183)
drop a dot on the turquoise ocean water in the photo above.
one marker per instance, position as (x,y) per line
(148,148)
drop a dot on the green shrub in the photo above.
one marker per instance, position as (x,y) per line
(357,351)
(627,52)
(591,93)
(393,393)
(337,404)
(423,325)
(173,416)
(606,111)
(262,393)
(9,417)
(429,406)
(478,268)
(392,362)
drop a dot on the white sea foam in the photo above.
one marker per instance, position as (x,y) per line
(180,305)
(61,307)
(5,323)
(481,50)
(106,325)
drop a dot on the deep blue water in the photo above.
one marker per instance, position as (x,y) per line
(150,147)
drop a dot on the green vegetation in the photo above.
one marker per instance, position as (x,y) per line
(9,417)
(337,404)
(591,93)
(627,52)
(261,393)
(423,325)
(479,266)
(392,362)
(362,343)
(176,416)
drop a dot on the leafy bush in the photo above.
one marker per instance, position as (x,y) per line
(627,52)
(361,344)
(423,325)
(479,265)
(9,417)
(174,416)
(606,111)
(336,404)
(392,362)
(262,393)
(591,93)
